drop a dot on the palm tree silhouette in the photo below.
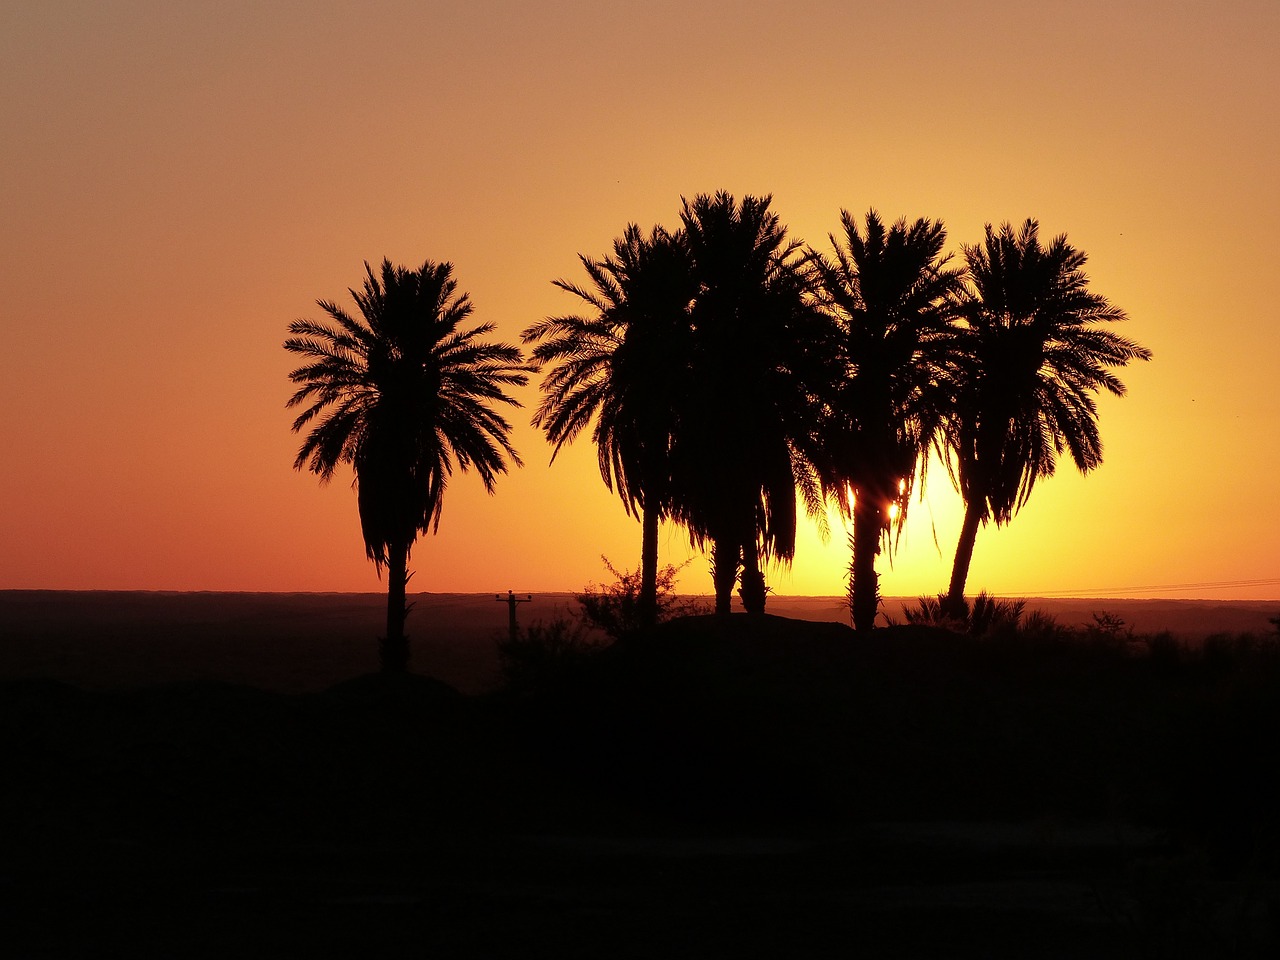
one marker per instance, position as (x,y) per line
(622,367)
(756,343)
(1031,358)
(403,394)
(888,293)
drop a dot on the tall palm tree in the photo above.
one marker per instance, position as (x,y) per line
(403,393)
(888,291)
(756,343)
(621,366)
(1032,357)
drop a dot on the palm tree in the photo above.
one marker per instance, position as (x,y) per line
(1032,357)
(756,344)
(888,291)
(620,367)
(403,394)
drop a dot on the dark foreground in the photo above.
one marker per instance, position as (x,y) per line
(766,788)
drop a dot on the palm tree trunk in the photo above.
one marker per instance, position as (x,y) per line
(753,586)
(864,586)
(649,568)
(964,555)
(393,652)
(725,559)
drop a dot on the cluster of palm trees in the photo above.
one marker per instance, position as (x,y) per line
(729,375)
(729,370)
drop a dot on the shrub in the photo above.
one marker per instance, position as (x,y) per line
(614,608)
(990,616)
(1223,653)
(1164,652)
(986,616)
(933,612)
(1108,626)
(544,652)
(1038,625)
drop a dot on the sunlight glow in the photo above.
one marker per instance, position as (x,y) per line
(896,506)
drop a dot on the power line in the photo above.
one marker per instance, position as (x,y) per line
(1159,588)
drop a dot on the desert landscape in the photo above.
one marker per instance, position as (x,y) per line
(305,642)
(204,775)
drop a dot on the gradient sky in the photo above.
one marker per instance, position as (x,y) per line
(178,181)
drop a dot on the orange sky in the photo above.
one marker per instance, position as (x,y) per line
(179,181)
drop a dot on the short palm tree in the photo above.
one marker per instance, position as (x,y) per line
(756,344)
(403,393)
(888,292)
(621,366)
(1032,355)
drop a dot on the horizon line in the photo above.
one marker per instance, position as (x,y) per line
(837,598)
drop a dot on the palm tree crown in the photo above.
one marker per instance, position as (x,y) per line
(1031,358)
(402,392)
(614,366)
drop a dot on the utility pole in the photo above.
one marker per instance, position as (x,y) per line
(511,600)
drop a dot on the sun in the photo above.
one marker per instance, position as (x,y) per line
(895,507)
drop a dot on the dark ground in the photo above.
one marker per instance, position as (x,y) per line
(766,788)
